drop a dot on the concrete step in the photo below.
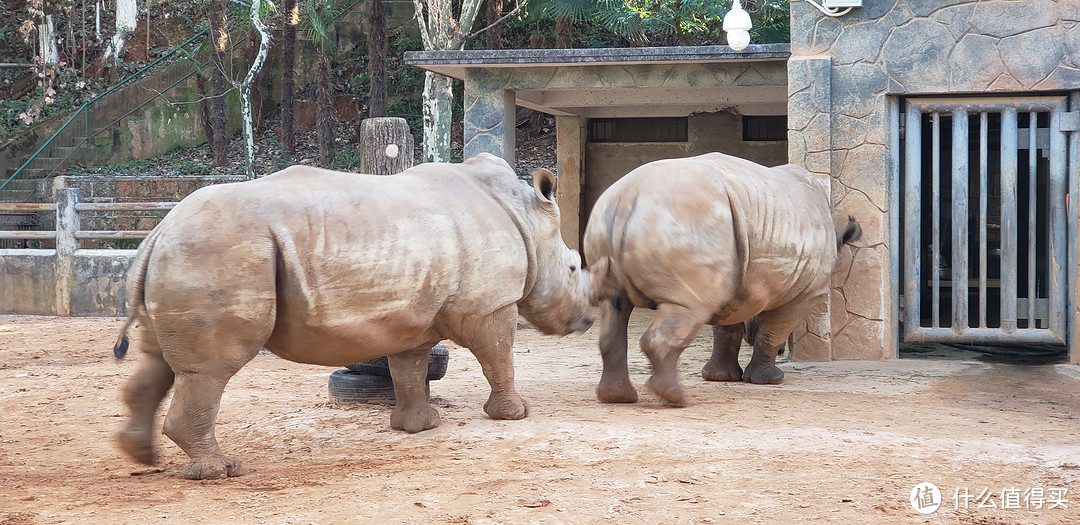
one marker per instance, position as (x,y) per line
(20,190)
(10,195)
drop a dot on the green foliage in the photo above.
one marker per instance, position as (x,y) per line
(58,91)
(124,168)
(404,83)
(191,168)
(690,21)
(348,158)
(317,19)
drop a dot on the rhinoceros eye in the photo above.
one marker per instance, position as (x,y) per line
(573,268)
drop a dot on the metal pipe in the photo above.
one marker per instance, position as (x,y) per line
(959,290)
(1008,220)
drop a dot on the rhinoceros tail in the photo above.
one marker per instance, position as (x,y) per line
(851,232)
(120,348)
(136,299)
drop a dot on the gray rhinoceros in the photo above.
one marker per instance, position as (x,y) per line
(712,239)
(336,268)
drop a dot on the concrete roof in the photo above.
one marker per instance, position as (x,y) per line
(454,63)
(639,81)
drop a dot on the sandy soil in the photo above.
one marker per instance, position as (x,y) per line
(837,442)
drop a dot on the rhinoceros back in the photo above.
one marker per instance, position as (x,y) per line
(340,257)
(711,228)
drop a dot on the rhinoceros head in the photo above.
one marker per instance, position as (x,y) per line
(562,291)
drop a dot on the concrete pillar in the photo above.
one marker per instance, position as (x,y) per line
(810,146)
(570,151)
(67,223)
(490,115)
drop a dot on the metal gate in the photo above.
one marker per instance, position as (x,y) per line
(984,191)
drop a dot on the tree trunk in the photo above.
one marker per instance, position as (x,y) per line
(324,113)
(495,33)
(127,17)
(249,80)
(204,110)
(288,77)
(438,102)
(564,33)
(219,34)
(376,33)
(386,146)
(47,41)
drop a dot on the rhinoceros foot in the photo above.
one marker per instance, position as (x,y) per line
(506,407)
(214,468)
(764,374)
(413,421)
(669,390)
(714,371)
(616,392)
(138,444)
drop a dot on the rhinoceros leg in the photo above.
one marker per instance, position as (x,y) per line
(143,394)
(412,413)
(615,385)
(773,328)
(193,412)
(491,340)
(665,339)
(724,363)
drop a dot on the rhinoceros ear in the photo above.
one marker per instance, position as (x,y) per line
(544,184)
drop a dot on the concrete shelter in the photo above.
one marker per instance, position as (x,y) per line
(961,245)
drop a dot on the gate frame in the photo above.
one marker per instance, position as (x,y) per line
(899,107)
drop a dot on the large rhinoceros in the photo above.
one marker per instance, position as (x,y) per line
(712,239)
(336,268)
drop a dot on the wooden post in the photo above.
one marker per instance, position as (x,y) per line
(67,223)
(386,146)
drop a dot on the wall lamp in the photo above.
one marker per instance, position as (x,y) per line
(737,22)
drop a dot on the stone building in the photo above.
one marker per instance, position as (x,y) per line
(948,128)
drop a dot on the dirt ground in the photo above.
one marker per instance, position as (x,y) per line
(841,442)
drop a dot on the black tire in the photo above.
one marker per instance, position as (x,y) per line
(440,359)
(346,386)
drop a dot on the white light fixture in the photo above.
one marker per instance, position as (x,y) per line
(737,25)
(836,7)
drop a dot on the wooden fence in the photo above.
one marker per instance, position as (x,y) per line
(67,280)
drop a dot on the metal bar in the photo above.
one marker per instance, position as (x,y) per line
(1033,214)
(935,220)
(894,219)
(1008,220)
(1073,189)
(983,192)
(991,104)
(981,335)
(959,292)
(27,235)
(125,206)
(1057,248)
(21,207)
(111,234)
(912,214)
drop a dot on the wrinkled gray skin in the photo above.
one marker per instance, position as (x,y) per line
(336,268)
(715,240)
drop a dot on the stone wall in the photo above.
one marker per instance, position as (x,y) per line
(844,73)
(127,188)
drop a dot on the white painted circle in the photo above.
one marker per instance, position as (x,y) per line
(925,498)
